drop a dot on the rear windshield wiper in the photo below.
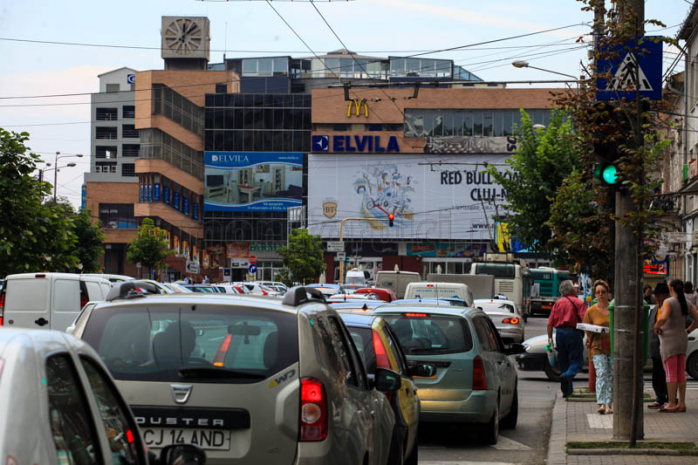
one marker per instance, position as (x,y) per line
(206,372)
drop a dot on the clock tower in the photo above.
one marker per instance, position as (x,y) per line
(185,42)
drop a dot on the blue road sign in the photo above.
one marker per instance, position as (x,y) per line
(617,69)
(252,269)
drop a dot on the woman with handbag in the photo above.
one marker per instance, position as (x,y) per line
(599,345)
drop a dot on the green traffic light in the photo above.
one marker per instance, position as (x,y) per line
(610,175)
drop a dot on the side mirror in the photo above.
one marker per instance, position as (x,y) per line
(182,454)
(424,370)
(387,380)
(514,349)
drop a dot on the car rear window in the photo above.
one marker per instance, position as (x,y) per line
(227,344)
(496,307)
(424,334)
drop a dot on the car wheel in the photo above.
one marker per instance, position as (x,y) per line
(509,422)
(692,365)
(413,459)
(553,373)
(490,430)
(397,450)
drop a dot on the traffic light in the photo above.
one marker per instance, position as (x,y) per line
(611,126)
(606,173)
(391,218)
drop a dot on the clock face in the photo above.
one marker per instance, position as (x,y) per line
(184,36)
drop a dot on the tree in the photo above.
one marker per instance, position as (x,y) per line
(303,256)
(33,236)
(543,160)
(90,238)
(150,247)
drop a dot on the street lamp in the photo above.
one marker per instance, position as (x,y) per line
(55,173)
(525,64)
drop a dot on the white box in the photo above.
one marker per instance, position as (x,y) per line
(593,328)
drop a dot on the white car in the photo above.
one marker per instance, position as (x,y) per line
(65,406)
(506,316)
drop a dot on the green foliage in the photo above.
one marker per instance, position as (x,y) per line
(150,247)
(580,223)
(542,161)
(33,236)
(90,238)
(284,276)
(303,256)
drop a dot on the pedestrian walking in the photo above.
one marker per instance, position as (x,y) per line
(599,345)
(661,293)
(207,280)
(567,312)
(691,298)
(647,295)
(673,343)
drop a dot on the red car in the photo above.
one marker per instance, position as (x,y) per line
(386,295)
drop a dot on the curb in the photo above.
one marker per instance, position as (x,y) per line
(664,452)
(558,433)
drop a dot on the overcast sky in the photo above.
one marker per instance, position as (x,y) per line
(251,28)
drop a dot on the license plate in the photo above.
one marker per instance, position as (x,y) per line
(207,439)
(547,306)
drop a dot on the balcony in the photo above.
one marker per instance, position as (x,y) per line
(172,216)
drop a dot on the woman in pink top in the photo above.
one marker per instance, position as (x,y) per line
(673,337)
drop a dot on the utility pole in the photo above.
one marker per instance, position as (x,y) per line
(627,381)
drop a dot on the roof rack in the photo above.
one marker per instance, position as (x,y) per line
(125,290)
(299,295)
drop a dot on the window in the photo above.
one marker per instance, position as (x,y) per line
(113,88)
(222,88)
(106,133)
(129,131)
(131,150)
(105,151)
(344,351)
(479,123)
(129,111)
(484,335)
(431,334)
(107,114)
(146,344)
(121,434)
(117,216)
(72,426)
(128,169)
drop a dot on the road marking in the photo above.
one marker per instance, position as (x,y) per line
(509,444)
(600,421)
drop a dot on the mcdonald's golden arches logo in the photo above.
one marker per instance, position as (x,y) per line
(358,103)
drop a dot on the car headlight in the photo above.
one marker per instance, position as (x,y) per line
(526,347)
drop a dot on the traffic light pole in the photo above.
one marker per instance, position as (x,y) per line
(341,239)
(627,385)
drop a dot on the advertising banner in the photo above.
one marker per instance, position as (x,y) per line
(175,200)
(185,205)
(166,194)
(238,250)
(156,192)
(195,211)
(253,181)
(432,197)
(446,250)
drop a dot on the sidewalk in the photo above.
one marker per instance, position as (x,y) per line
(579,421)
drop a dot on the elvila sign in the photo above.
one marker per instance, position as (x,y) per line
(359,144)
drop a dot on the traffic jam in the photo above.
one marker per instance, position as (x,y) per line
(137,371)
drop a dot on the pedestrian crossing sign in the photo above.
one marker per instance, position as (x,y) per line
(623,68)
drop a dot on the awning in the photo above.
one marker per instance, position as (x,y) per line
(690,189)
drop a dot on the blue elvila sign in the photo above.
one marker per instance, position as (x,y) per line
(150,192)
(358,144)
(166,194)
(185,206)
(156,192)
(617,68)
(175,200)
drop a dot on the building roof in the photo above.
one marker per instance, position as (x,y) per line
(689,23)
(117,70)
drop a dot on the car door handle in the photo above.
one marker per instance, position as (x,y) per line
(41,321)
(691,338)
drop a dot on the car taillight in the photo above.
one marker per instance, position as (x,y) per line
(83,300)
(479,378)
(313,411)
(416,315)
(219,358)
(511,321)
(382,360)
(2,306)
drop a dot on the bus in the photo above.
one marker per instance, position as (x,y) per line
(511,280)
(546,285)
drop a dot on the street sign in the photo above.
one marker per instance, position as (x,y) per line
(227,277)
(335,246)
(341,256)
(252,259)
(621,61)
(252,269)
(193,267)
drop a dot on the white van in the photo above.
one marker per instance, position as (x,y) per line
(47,300)
(433,290)
(396,281)
(359,277)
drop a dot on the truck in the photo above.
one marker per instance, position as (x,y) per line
(545,290)
(396,281)
(512,278)
(481,285)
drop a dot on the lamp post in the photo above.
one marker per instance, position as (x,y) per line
(55,174)
(525,64)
